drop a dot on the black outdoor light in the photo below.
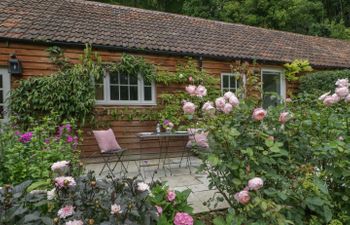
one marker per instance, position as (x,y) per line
(14,65)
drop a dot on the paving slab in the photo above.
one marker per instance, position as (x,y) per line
(178,181)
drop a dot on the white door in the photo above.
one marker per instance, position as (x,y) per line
(4,91)
(273,87)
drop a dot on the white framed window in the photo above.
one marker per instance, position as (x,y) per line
(273,82)
(5,85)
(229,82)
(121,89)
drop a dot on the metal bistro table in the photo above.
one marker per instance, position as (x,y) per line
(164,139)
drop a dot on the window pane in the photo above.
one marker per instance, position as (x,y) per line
(148,93)
(114,78)
(271,84)
(99,92)
(124,79)
(1,81)
(134,93)
(225,81)
(232,81)
(124,93)
(114,92)
(133,79)
(1,112)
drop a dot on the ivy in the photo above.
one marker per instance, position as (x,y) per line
(296,67)
(133,66)
(69,93)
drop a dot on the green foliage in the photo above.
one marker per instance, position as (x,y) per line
(322,81)
(22,160)
(295,68)
(159,198)
(70,93)
(133,66)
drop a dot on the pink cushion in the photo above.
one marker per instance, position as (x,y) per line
(197,138)
(106,140)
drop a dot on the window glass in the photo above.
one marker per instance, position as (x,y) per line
(229,83)
(148,93)
(271,88)
(124,93)
(114,92)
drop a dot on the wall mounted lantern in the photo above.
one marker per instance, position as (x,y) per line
(14,65)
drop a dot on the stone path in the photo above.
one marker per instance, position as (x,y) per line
(181,179)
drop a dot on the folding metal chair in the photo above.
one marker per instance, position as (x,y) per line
(108,159)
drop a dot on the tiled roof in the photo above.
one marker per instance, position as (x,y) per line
(79,21)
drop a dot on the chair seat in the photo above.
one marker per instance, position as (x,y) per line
(116,151)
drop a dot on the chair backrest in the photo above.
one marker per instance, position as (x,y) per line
(106,140)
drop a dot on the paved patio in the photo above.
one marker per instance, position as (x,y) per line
(178,178)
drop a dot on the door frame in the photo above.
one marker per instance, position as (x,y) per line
(283,91)
(6,86)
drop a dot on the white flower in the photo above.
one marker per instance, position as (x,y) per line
(51,194)
(59,166)
(142,186)
(75,222)
(181,75)
(116,209)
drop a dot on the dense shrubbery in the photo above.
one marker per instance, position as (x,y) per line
(28,154)
(288,164)
(321,81)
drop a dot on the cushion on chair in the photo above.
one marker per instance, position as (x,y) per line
(197,138)
(106,140)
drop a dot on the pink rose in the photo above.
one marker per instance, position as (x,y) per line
(322,97)
(347,99)
(201,91)
(60,166)
(159,210)
(62,182)
(189,108)
(228,95)
(234,100)
(220,103)
(116,209)
(342,92)
(227,108)
(75,222)
(190,79)
(328,100)
(255,184)
(208,108)
(242,197)
(66,211)
(283,117)
(336,98)
(259,114)
(289,100)
(191,90)
(183,219)
(342,83)
(171,196)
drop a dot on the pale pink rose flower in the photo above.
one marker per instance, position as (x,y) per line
(75,222)
(66,211)
(190,79)
(259,114)
(191,90)
(189,108)
(347,99)
(283,117)
(201,91)
(289,100)
(183,219)
(227,108)
(228,95)
(255,183)
(328,100)
(142,186)
(242,197)
(234,100)
(342,92)
(208,108)
(171,196)
(159,210)
(336,98)
(342,83)
(62,182)
(322,97)
(116,209)
(220,103)
(60,166)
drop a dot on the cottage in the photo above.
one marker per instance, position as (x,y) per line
(29,27)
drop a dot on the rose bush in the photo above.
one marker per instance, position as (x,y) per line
(288,164)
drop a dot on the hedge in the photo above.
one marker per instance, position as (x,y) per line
(321,81)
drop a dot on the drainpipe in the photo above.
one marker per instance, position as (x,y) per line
(200,63)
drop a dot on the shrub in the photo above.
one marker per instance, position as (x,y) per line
(28,155)
(321,81)
(285,165)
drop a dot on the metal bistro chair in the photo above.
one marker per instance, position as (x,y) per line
(109,148)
